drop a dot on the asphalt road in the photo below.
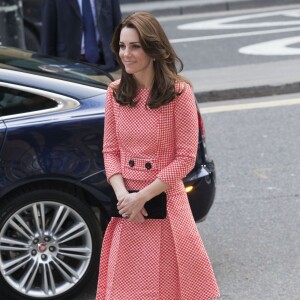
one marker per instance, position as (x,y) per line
(252,231)
(223,39)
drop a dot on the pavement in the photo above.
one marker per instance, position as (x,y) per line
(236,82)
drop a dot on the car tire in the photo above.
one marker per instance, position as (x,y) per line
(31,41)
(50,244)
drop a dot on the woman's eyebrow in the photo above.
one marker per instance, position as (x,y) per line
(130,43)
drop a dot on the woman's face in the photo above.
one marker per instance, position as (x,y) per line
(134,58)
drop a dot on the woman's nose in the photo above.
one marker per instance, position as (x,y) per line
(127,52)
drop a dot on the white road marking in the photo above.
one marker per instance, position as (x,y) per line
(246,106)
(222,23)
(233,35)
(275,47)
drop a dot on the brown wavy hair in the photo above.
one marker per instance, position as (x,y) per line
(156,45)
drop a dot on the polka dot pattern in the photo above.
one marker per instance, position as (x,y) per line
(158,259)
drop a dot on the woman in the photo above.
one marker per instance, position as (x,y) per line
(150,144)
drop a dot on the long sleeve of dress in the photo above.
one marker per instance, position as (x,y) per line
(111,150)
(186,138)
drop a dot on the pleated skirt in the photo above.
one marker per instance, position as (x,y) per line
(158,259)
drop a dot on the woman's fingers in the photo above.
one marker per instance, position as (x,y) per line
(138,218)
(131,208)
(144,212)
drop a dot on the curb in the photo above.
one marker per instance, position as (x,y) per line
(247,92)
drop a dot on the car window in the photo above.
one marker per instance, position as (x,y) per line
(13,101)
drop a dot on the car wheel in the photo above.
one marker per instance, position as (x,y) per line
(49,245)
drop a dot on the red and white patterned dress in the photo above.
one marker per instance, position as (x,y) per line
(158,259)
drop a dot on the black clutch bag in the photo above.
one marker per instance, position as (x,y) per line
(155,207)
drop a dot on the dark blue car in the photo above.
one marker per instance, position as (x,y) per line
(54,197)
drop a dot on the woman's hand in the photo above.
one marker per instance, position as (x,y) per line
(139,218)
(132,206)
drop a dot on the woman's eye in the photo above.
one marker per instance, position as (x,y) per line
(122,46)
(136,46)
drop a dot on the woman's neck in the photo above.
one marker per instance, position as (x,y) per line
(144,81)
